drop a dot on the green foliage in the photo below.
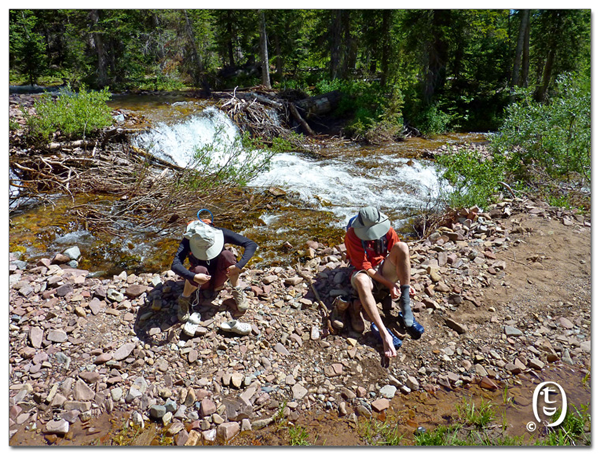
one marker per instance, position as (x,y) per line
(555,136)
(574,430)
(441,436)
(474,180)
(479,416)
(374,111)
(27,47)
(298,436)
(72,114)
(375,432)
(446,69)
(432,120)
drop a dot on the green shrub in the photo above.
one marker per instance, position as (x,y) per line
(221,165)
(474,180)
(554,136)
(74,115)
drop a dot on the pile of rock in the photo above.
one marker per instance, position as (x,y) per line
(81,345)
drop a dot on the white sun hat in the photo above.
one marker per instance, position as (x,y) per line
(206,242)
(371,224)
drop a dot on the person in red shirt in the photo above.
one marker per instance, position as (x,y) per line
(381,262)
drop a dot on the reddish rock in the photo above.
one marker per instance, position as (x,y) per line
(381,404)
(228,430)
(487,383)
(207,407)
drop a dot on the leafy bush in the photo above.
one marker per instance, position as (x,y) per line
(74,115)
(228,165)
(432,120)
(374,114)
(474,179)
(554,136)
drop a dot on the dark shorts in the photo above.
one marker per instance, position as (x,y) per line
(217,269)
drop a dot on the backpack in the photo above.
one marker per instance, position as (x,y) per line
(380,244)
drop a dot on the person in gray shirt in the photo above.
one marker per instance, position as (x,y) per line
(211,265)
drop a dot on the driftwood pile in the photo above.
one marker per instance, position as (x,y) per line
(151,193)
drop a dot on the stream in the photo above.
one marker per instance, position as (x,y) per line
(321,194)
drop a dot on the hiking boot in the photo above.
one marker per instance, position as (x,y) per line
(183,312)
(337,314)
(240,298)
(358,324)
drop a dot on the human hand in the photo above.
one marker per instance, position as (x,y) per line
(202,278)
(394,292)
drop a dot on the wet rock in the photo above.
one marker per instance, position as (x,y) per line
(59,427)
(487,383)
(73,253)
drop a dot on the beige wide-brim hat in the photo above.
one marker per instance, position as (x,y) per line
(206,242)
(371,224)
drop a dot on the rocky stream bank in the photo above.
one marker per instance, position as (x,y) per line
(502,295)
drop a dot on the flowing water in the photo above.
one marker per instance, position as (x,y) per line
(321,193)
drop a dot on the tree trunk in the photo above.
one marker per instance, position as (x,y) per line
(98,44)
(196,65)
(336,43)
(524,81)
(542,92)
(385,47)
(524,24)
(230,40)
(435,76)
(264,52)
(279,59)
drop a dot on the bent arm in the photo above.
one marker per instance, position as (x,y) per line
(179,258)
(249,246)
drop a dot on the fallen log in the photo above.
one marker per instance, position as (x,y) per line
(319,105)
(307,129)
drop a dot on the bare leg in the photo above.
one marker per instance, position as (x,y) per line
(397,268)
(188,289)
(397,265)
(364,286)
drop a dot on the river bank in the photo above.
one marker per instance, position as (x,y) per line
(504,296)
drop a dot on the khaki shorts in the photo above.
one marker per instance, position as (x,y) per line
(377,286)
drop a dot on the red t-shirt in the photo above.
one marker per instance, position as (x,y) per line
(366,257)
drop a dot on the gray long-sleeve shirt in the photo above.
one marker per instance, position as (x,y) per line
(229,237)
